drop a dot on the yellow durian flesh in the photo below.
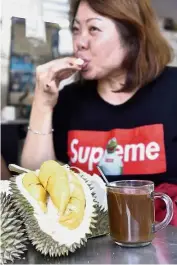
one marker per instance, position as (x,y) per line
(30,178)
(74,213)
(65,191)
(73,178)
(55,180)
(58,188)
(32,184)
(48,169)
(39,194)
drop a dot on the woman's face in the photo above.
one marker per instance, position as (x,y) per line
(96,40)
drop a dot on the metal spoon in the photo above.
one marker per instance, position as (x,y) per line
(103,176)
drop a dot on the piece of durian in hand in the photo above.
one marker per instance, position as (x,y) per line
(36,190)
(55,180)
(74,213)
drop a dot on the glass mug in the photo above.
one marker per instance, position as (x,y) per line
(131,212)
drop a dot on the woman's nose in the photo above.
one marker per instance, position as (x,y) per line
(82,42)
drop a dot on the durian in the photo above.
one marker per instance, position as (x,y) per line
(13,238)
(55,180)
(74,212)
(59,230)
(33,186)
(4,186)
(99,189)
(69,221)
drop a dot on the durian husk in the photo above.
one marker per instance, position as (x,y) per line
(43,242)
(102,225)
(13,236)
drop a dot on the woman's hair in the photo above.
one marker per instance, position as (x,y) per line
(148,52)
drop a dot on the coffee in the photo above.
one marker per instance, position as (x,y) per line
(131,215)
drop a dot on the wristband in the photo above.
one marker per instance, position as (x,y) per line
(40,133)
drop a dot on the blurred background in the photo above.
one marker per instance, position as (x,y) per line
(32,33)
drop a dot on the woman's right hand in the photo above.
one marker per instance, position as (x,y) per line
(48,78)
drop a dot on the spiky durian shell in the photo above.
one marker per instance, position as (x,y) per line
(4,186)
(43,242)
(102,224)
(13,238)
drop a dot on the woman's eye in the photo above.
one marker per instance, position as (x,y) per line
(75,29)
(94,29)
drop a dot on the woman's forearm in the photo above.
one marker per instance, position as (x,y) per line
(38,148)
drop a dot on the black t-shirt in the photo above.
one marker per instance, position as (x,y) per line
(134,140)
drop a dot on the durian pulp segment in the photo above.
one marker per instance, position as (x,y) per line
(25,193)
(47,169)
(59,191)
(48,222)
(99,188)
(74,213)
(32,184)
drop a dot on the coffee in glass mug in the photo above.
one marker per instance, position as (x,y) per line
(132,212)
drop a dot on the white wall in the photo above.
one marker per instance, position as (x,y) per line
(165,8)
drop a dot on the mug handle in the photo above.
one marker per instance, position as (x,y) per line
(169,208)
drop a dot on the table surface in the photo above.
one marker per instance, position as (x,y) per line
(102,250)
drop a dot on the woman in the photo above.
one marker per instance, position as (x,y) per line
(122,116)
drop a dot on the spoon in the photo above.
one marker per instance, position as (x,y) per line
(103,176)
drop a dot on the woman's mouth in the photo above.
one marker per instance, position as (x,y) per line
(85,65)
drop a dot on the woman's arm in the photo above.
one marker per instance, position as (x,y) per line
(39,147)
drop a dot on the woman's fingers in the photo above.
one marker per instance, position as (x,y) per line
(49,75)
(52,86)
(65,71)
